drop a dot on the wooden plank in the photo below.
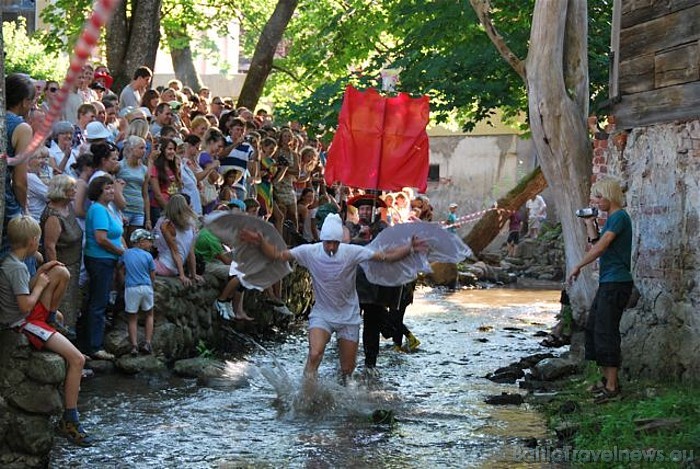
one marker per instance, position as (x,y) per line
(676,65)
(661,33)
(635,12)
(678,102)
(636,75)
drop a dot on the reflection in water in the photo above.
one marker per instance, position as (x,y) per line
(258,417)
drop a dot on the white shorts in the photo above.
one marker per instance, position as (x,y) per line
(349,332)
(138,298)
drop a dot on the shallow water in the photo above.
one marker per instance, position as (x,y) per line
(258,416)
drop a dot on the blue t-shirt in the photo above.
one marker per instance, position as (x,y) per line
(616,261)
(138,265)
(100,217)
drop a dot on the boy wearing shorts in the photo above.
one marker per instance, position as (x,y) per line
(138,287)
(26,304)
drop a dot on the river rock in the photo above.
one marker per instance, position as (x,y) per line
(31,434)
(505,399)
(444,273)
(133,365)
(13,460)
(505,375)
(46,368)
(199,368)
(36,398)
(550,369)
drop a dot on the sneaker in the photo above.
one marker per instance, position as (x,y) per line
(397,348)
(134,351)
(413,342)
(65,331)
(102,355)
(74,432)
(146,348)
(224,309)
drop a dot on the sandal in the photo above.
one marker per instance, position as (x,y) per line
(606,395)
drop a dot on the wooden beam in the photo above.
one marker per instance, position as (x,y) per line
(673,103)
(677,65)
(636,75)
(635,12)
(660,33)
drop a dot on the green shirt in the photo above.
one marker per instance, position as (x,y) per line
(616,260)
(208,246)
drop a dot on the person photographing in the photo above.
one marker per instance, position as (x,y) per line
(614,248)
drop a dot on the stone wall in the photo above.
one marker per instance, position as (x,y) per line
(660,167)
(31,381)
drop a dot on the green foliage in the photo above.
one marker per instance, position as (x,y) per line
(439,45)
(203,351)
(66,19)
(27,54)
(604,426)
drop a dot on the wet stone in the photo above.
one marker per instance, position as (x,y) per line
(46,368)
(36,398)
(505,399)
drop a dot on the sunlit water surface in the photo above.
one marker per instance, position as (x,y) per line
(258,416)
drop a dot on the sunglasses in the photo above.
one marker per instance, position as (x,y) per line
(52,89)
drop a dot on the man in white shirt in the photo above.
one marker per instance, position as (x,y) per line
(333,266)
(537,213)
(131,94)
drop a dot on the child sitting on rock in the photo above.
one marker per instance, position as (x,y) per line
(26,304)
(140,272)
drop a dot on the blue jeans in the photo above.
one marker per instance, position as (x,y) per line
(101,272)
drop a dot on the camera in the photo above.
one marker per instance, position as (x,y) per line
(282,161)
(587,212)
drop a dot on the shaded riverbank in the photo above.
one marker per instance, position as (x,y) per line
(435,394)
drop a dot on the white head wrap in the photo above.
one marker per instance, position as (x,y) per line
(332,229)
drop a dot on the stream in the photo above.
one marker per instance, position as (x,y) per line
(256,415)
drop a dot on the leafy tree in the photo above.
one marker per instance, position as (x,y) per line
(27,54)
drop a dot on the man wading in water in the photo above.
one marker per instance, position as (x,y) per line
(333,268)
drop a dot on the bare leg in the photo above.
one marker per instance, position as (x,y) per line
(75,361)
(133,325)
(279,212)
(238,310)
(229,290)
(318,339)
(348,356)
(149,326)
(610,374)
(58,283)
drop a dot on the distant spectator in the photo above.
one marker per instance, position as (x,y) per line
(132,93)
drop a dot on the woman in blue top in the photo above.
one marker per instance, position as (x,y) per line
(103,246)
(614,248)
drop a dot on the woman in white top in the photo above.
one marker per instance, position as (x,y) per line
(176,235)
(36,187)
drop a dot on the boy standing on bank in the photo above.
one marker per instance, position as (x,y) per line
(138,287)
(25,306)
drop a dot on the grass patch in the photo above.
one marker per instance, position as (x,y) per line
(615,424)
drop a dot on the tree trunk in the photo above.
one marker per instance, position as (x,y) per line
(133,41)
(264,54)
(491,223)
(3,136)
(185,70)
(557,70)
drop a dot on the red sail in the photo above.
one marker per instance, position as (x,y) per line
(381,143)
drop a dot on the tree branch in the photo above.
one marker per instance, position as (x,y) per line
(482,9)
(294,77)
